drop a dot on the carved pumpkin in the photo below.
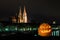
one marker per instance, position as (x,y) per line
(44,29)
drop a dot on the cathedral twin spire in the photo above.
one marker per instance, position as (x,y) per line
(22,17)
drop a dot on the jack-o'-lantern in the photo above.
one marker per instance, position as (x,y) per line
(44,30)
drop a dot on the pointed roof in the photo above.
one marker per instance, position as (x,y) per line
(20,12)
(24,12)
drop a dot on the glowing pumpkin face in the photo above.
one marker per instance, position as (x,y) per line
(44,29)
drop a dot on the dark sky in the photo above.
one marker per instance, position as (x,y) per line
(36,9)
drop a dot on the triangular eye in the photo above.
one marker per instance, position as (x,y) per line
(45,25)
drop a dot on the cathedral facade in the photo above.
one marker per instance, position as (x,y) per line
(22,17)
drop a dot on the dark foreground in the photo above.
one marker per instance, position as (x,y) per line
(19,36)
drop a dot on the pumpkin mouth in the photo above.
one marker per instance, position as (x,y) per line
(45,31)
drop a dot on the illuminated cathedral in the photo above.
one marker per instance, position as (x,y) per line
(22,17)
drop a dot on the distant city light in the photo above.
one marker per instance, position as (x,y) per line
(55,33)
(34,28)
(6,29)
(24,29)
(30,29)
(20,29)
(16,28)
(35,35)
(0,29)
(54,22)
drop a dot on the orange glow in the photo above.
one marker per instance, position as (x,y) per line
(14,19)
(44,29)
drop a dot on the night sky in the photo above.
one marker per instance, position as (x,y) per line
(36,9)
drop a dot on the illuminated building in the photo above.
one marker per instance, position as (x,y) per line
(25,16)
(14,19)
(22,17)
